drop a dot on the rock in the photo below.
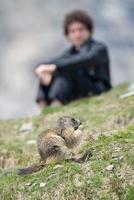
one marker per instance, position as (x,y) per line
(31,142)
(31,184)
(58,166)
(28,184)
(114,143)
(77,181)
(121,157)
(131,87)
(26,127)
(42,184)
(119,174)
(110,167)
(34,184)
(127,94)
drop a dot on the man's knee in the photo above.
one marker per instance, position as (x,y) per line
(60,89)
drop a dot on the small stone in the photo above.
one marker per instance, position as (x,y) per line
(127,94)
(42,184)
(110,167)
(31,184)
(31,142)
(77,181)
(121,157)
(114,143)
(58,166)
(34,184)
(26,127)
(28,184)
(115,159)
(131,87)
(119,174)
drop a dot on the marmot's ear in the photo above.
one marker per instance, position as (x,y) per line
(61,130)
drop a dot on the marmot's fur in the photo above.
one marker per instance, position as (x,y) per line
(54,144)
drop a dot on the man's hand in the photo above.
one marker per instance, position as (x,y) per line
(45,72)
(45,68)
(45,78)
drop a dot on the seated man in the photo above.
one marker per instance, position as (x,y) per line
(80,71)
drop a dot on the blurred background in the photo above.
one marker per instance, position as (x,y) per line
(31,32)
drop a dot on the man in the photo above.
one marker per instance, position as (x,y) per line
(80,71)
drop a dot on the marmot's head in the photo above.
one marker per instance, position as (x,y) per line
(68,122)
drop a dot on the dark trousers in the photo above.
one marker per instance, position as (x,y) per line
(59,89)
(67,87)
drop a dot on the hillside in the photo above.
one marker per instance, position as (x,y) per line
(108,127)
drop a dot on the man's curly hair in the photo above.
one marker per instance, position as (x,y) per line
(78,16)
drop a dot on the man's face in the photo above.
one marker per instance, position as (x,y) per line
(78,34)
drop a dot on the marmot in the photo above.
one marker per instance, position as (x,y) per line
(54,144)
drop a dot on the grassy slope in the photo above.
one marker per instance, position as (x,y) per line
(109,128)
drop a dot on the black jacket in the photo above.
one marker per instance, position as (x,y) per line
(93,58)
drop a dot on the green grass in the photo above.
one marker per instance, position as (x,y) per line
(108,126)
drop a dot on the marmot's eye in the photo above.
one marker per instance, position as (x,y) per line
(73,120)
